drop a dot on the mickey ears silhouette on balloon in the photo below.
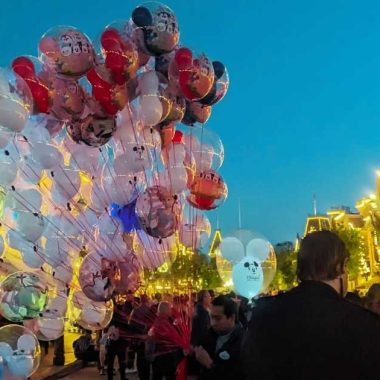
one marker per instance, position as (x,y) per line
(233,250)
(219,69)
(142,17)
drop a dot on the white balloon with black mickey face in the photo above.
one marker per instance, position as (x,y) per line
(247,277)
(137,157)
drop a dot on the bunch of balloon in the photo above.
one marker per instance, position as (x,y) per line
(106,166)
(248,261)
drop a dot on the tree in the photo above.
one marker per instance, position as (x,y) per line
(285,277)
(354,244)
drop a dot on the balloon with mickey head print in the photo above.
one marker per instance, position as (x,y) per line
(248,277)
(245,244)
(157,30)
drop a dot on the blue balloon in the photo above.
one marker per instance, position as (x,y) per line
(127,216)
(248,277)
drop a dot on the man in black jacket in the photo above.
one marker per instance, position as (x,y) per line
(219,352)
(312,332)
(201,317)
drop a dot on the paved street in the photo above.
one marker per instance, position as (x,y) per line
(93,374)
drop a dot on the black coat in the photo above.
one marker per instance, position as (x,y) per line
(312,333)
(200,324)
(227,359)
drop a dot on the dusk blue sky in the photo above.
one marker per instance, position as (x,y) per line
(302,115)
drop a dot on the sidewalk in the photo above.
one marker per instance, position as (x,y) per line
(47,371)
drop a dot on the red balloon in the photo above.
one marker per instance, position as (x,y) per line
(112,98)
(24,67)
(184,58)
(178,137)
(121,57)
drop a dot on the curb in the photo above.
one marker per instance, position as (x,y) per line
(65,371)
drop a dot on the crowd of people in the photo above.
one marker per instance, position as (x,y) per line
(315,331)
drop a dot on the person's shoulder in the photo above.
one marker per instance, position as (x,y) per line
(266,303)
(359,312)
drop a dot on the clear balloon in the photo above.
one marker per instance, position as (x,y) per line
(207,191)
(220,86)
(99,277)
(194,230)
(20,351)
(92,130)
(22,296)
(157,30)
(89,314)
(194,74)
(120,53)
(15,101)
(152,252)
(66,51)
(46,328)
(205,146)
(158,212)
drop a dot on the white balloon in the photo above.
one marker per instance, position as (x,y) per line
(32,259)
(67,181)
(46,155)
(5,351)
(85,158)
(248,277)
(51,328)
(232,249)
(31,226)
(151,110)
(123,189)
(21,365)
(16,241)
(174,179)
(138,157)
(176,154)
(24,200)
(5,136)
(57,306)
(35,130)
(148,83)
(8,172)
(13,114)
(258,248)
(26,343)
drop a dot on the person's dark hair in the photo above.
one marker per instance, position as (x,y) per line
(212,293)
(229,306)
(201,295)
(322,256)
(371,294)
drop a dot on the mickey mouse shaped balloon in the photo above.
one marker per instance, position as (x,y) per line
(26,68)
(120,53)
(220,86)
(111,97)
(207,191)
(66,51)
(157,28)
(92,130)
(193,74)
